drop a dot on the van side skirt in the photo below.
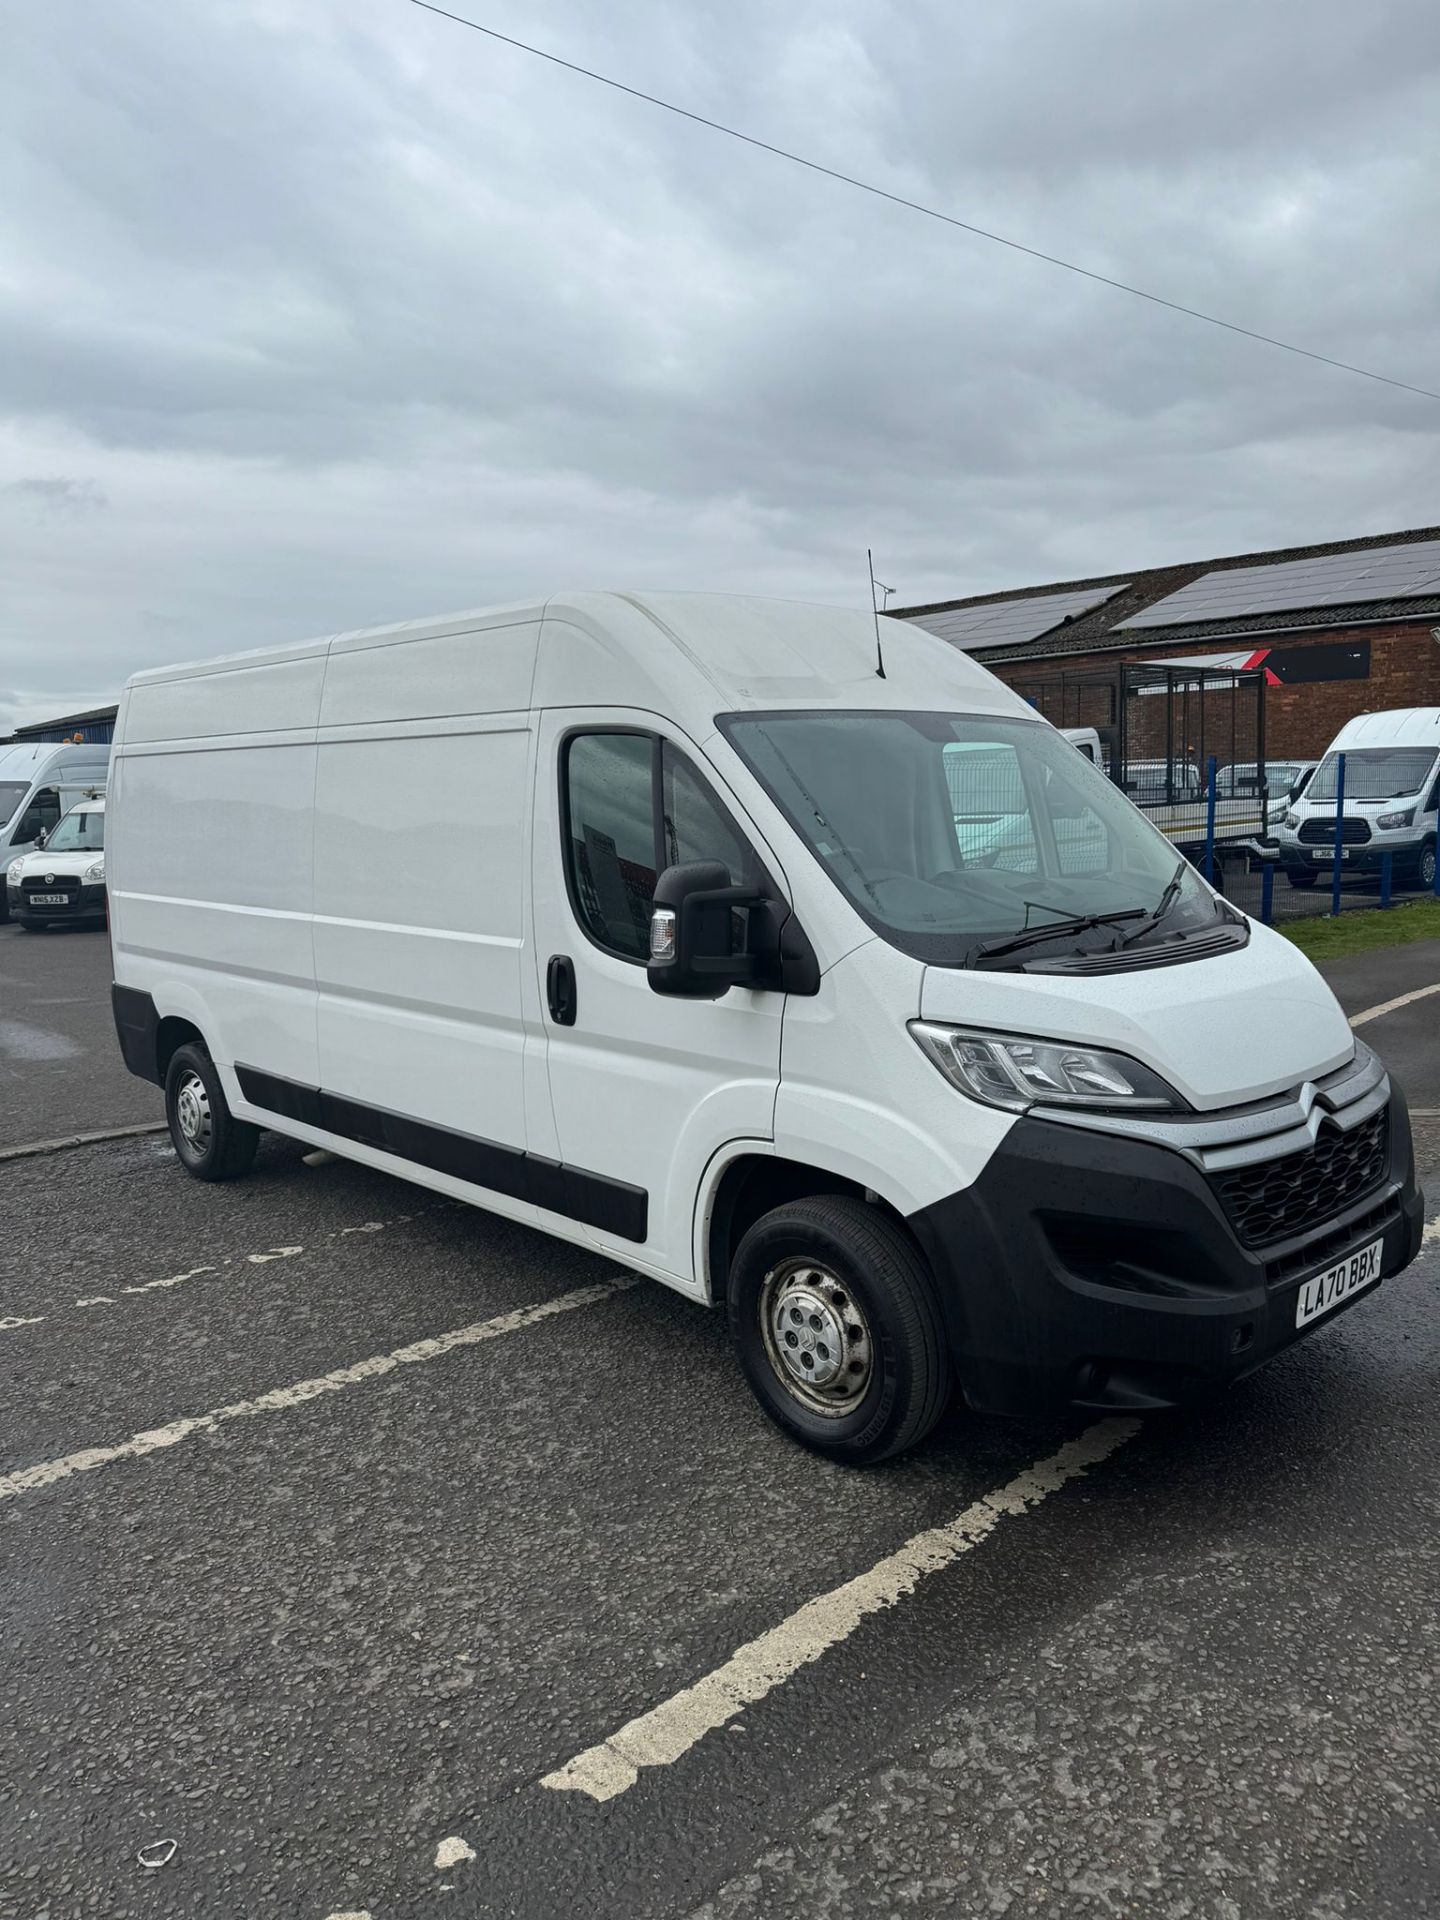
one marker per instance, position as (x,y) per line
(591,1198)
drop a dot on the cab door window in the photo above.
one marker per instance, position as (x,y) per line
(42,813)
(632,806)
(609,799)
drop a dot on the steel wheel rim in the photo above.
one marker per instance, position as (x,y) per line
(192,1114)
(817,1339)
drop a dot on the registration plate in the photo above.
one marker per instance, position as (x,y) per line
(1328,853)
(1327,1290)
(49,900)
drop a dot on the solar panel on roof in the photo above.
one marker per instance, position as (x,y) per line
(1326,580)
(1012,621)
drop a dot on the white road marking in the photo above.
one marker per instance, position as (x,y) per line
(14,1320)
(1432,1231)
(150,1286)
(661,1736)
(102,1299)
(1389,1006)
(349,1916)
(451,1852)
(273,1253)
(279,1399)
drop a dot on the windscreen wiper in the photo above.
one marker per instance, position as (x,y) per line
(992,949)
(1162,905)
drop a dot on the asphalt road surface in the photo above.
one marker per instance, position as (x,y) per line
(392,1560)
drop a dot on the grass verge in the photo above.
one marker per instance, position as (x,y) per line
(1364,929)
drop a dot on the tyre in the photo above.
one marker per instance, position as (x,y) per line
(1300,876)
(33,926)
(838,1330)
(210,1142)
(1425,866)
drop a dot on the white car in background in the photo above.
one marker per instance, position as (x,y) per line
(63,881)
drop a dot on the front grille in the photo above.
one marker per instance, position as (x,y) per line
(1280,1198)
(1321,832)
(62,883)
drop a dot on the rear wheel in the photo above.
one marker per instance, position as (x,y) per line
(838,1330)
(1300,876)
(210,1142)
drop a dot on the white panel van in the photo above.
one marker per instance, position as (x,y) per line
(692,965)
(40,781)
(1390,804)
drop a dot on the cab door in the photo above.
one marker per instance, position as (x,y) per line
(644,1089)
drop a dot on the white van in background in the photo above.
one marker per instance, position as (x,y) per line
(1392,791)
(690,966)
(39,782)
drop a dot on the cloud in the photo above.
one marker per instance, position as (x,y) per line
(345,313)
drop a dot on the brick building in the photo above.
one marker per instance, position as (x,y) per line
(1349,627)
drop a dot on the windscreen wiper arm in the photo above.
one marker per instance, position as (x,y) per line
(992,949)
(1162,905)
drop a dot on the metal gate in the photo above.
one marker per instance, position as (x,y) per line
(1161,726)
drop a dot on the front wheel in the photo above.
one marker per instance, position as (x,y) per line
(210,1142)
(838,1330)
(1300,876)
(1426,866)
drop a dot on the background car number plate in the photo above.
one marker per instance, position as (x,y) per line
(49,900)
(1337,1283)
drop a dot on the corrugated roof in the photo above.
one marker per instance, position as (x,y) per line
(1125,595)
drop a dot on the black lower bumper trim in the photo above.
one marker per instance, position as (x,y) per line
(1123,1284)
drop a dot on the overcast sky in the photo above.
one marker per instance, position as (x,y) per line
(317,315)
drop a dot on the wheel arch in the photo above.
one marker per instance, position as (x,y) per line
(747,1183)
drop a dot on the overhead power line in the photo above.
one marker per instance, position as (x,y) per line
(918,206)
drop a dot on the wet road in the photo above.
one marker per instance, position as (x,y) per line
(340,1519)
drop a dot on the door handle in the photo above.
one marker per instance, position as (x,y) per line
(560,989)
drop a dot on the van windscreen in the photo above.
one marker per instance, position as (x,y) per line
(1373,773)
(953,833)
(12,792)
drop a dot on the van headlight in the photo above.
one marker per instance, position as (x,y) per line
(1390,822)
(1291,820)
(1007,1070)
(93,876)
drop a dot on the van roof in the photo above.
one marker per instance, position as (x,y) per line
(27,758)
(1399,727)
(687,655)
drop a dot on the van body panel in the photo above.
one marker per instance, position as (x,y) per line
(1251,1022)
(210,892)
(858,1097)
(257,693)
(483,668)
(419,928)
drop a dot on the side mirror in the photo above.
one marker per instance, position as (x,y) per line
(42,839)
(692,934)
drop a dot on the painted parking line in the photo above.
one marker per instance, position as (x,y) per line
(1390,1006)
(167,1283)
(49,1472)
(660,1737)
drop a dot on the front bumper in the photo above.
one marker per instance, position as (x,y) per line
(1097,1270)
(83,903)
(1364,857)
